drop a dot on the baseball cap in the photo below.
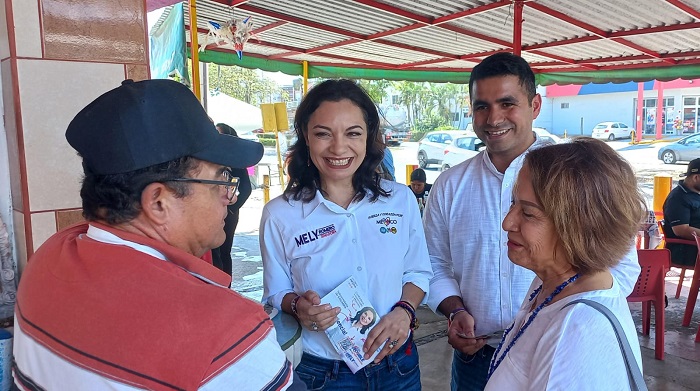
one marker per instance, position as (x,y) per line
(693,168)
(141,124)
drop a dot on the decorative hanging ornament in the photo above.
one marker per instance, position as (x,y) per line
(235,32)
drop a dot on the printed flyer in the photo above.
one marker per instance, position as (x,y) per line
(355,320)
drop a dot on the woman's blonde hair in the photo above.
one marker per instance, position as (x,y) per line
(590,192)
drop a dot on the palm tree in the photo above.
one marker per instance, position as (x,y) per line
(409,96)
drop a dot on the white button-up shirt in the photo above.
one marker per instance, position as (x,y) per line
(317,245)
(468,249)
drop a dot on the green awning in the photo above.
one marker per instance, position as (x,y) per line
(562,78)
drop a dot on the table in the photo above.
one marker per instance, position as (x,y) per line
(288,332)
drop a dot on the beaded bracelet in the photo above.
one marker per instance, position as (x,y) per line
(411,312)
(453,313)
(294,305)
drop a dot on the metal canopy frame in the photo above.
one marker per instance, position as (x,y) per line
(557,37)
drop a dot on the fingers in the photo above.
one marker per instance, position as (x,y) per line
(392,331)
(312,297)
(313,315)
(463,326)
(464,345)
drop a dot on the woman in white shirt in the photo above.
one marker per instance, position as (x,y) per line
(576,209)
(337,219)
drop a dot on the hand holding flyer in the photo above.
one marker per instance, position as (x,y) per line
(356,319)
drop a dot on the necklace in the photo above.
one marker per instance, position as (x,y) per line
(496,361)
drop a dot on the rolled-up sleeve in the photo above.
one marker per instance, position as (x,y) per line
(443,284)
(417,268)
(277,278)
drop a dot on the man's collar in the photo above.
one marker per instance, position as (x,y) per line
(190,263)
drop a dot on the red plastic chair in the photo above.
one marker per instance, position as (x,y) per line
(693,294)
(682,267)
(650,289)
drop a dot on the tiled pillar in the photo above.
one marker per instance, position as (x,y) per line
(56,56)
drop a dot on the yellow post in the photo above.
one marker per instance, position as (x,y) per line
(194,49)
(266,188)
(282,125)
(409,170)
(305,74)
(662,186)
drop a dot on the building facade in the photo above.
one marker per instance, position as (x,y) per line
(577,109)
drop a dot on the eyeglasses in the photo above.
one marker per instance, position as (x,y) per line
(231,183)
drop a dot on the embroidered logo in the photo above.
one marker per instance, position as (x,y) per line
(386,221)
(386,230)
(314,235)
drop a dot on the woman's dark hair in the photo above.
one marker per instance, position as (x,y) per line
(225,129)
(116,198)
(304,177)
(358,315)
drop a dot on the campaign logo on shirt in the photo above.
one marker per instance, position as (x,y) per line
(385,230)
(312,236)
(387,221)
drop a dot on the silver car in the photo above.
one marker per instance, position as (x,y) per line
(685,149)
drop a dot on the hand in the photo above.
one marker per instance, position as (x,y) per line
(394,326)
(313,315)
(463,323)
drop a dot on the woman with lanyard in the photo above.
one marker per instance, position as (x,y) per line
(576,209)
(336,219)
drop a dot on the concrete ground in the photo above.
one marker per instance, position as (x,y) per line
(679,371)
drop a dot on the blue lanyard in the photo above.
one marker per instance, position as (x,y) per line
(495,361)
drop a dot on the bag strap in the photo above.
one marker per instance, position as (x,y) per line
(633,372)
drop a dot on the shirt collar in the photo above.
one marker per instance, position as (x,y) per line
(191,264)
(310,207)
(517,162)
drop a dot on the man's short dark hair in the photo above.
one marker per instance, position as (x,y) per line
(116,198)
(505,64)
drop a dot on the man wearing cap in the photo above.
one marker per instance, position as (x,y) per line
(682,215)
(124,301)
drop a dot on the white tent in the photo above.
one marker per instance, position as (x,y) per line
(239,115)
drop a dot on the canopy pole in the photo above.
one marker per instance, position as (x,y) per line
(305,74)
(660,108)
(518,27)
(194,49)
(640,112)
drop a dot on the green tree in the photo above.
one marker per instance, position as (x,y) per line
(409,96)
(244,84)
(376,89)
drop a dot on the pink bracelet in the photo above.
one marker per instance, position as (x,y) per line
(294,305)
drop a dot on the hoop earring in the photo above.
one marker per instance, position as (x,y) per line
(308,158)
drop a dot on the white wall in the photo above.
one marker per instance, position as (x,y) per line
(5,187)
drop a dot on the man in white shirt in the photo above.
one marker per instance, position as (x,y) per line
(475,285)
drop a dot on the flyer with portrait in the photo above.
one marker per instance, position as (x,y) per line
(355,320)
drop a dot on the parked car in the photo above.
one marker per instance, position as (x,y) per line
(545,135)
(465,147)
(431,148)
(612,130)
(685,149)
(461,149)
